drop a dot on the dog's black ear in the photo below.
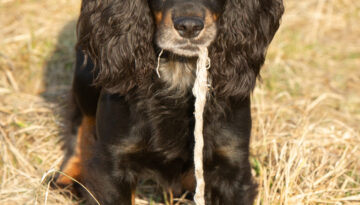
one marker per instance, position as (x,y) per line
(246,28)
(117,35)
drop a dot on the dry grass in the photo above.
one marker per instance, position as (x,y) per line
(306,112)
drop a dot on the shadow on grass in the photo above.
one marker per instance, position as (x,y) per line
(57,80)
(59,67)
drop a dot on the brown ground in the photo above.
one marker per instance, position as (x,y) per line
(306,135)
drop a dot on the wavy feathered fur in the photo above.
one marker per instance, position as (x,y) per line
(245,30)
(118,37)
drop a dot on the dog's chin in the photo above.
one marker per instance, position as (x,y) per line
(184,50)
(187,51)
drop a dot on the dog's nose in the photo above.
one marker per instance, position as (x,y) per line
(188,27)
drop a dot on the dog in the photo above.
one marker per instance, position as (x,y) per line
(132,122)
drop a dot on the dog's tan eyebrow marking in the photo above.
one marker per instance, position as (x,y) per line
(215,17)
(210,18)
(158,17)
(167,17)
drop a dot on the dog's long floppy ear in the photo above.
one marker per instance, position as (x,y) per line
(117,35)
(246,28)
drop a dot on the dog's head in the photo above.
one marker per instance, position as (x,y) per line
(184,26)
(121,37)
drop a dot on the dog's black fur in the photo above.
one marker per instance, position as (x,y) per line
(144,124)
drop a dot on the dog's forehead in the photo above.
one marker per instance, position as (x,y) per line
(214,5)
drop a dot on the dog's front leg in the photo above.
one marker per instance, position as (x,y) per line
(227,168)
(108,174)
(230,185)
(106,187)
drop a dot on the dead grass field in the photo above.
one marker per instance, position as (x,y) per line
(306,111)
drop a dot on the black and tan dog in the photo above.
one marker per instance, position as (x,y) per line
(132,124)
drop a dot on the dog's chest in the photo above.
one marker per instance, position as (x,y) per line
(178,74)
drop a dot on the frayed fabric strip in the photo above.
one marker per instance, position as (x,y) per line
(158,63)
(200,90)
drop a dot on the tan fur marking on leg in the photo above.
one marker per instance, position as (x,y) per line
(133,193)
(87,139)
(71,169)
(83,152)
(171,197)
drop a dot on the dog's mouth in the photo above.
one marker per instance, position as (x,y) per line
(168,38)
(186,47)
